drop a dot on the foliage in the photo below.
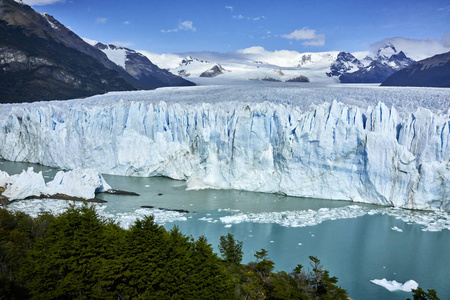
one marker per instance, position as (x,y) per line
(230,249)
(420,294)
(79,255)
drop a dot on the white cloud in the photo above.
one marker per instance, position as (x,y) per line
(309,36)
(415,48)
(282,58)
(127,23)
(229,7)
(101,20)
(241,17)
(40,2)
(185,25)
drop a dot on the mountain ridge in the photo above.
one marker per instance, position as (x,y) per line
(430,72)
(41,59)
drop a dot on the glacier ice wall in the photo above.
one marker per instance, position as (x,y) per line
(330,150)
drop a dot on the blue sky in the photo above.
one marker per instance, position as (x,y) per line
(174,26)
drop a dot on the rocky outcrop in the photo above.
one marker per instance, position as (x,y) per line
(300,78)
(213,72)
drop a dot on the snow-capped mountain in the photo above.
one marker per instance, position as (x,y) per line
(432,72)
(386,62)
(254,63)
(344,63)
(140,67)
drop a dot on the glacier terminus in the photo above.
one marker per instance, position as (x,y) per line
(387,146)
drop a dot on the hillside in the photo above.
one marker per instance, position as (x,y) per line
(430,72)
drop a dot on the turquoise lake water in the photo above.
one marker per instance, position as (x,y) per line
(355,242)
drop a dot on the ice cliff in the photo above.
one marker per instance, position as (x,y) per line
(317,148)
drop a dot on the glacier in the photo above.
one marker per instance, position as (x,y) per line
(387,146)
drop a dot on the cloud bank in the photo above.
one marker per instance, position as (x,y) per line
(415,48)
(309,36)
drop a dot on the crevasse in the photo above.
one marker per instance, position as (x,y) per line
(331,150)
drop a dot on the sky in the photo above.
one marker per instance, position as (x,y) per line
(175,26)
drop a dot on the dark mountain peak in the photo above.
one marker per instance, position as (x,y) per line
(214,71)
(344,63)
(189,60)
(387,50)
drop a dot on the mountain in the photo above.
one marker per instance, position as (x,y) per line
(139,67)
(373,70)
(41,59)
(248,64)
(431,72)
(344,63)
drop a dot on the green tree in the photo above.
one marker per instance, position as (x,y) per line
(63,264)
(322,283)
(420,294)
(230,249)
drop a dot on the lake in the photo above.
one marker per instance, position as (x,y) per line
(356,243)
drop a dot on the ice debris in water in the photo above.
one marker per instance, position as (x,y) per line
(430,221)
(125,220)
(393,285)
(395,228)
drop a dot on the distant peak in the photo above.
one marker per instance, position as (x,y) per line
(387,50)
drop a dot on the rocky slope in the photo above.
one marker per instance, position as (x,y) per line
(431,72)
(140,67)
(41,59)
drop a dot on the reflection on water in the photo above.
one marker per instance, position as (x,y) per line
(355,243)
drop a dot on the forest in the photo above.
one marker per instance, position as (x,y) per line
(80,255)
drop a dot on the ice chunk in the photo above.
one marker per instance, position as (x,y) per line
(80,183)
(23,185)
(76,183)
(395,228)
(396,286)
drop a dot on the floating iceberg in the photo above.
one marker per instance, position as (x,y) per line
(374,145)
(396,286)
(76,183)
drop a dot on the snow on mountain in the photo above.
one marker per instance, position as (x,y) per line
(253,63)
(117,55)
(139,66)
(323,142)
(372,69)
(344,63)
